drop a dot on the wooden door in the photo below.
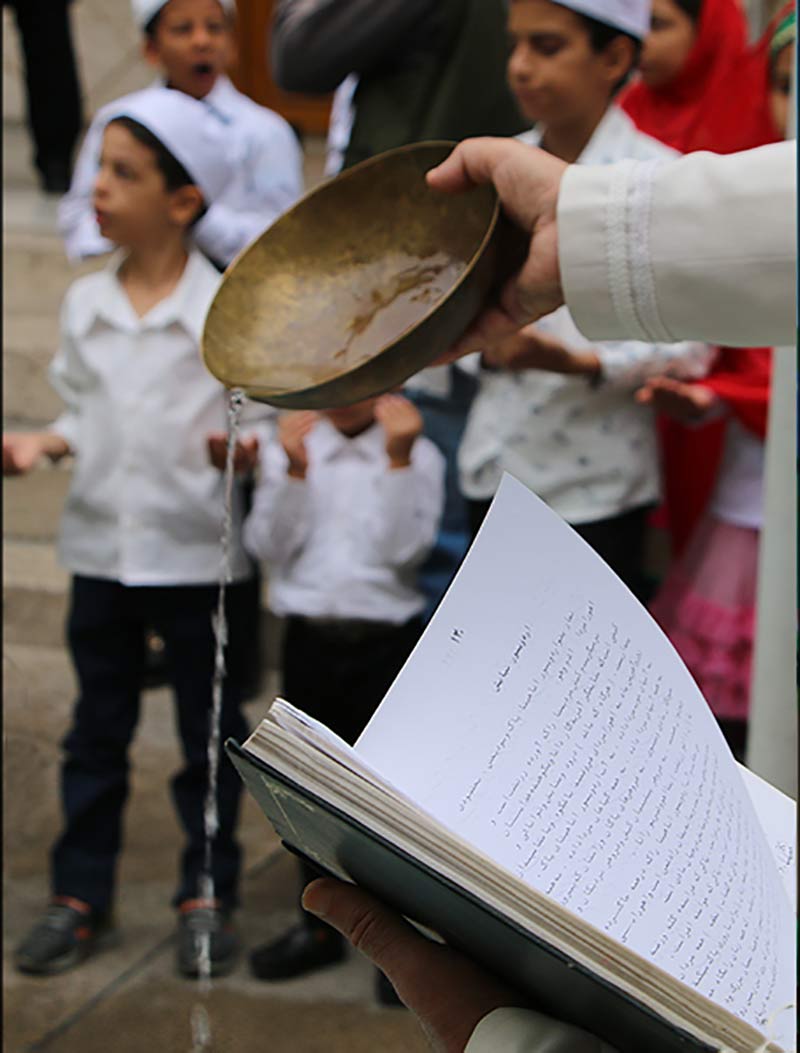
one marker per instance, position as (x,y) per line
(251,75)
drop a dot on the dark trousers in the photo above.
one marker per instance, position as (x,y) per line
(51,79)
(106,633)
(619,540)
(339,675)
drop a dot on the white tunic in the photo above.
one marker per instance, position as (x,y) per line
(268,179)
(346,541)
(145,506)
(701,248)
(590,452)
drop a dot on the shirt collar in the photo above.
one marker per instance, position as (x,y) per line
(607,142)
(331,443)
(221,100)
(184,306)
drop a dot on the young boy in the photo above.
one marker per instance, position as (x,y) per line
(141,526)
(191,43)
(347,506)
(552,408)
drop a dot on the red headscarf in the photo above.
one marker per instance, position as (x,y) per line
(719,100)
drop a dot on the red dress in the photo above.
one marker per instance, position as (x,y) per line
(706,605)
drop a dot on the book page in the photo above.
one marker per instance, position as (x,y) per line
(545,718)
(777,814)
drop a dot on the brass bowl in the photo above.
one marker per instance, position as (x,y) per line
(364,282)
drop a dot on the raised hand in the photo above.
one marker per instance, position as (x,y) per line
(245,454)
(23,450)
(531,349)
(402,424)
(685,403)
(292,432)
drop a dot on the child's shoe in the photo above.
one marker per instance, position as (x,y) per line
(66,935)
(199,918)
(303,949)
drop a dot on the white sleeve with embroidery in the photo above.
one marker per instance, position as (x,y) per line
(700,248)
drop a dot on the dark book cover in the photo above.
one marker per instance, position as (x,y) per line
(554,983)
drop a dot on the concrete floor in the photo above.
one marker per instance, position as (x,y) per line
(128,998)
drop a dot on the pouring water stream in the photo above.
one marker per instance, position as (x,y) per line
(201,1026)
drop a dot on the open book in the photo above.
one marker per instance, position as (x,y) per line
(545,788)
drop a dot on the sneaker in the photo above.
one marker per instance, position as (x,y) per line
(199,918)
(303,949)
(67,934)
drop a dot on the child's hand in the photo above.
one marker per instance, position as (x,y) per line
(402,424)
(531,349)
(23,450)
(685,403)
(245,454)
(292,431)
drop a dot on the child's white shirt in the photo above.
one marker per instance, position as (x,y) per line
(268,178)
(346,541)
(145,505)
(590,452)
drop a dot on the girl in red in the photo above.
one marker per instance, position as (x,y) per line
(706,605)
(701,87)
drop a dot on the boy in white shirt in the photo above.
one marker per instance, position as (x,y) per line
(346,507)
(141,527)
(191,43)
(552,408)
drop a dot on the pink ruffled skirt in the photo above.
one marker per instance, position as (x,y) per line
(706,606)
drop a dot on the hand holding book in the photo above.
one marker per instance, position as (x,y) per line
(545,787)
(448,993)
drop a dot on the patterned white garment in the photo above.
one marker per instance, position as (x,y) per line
(590,452)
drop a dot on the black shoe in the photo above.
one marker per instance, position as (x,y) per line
(386,993)
(301,950)
(198,921)
(66,935)
(56,177)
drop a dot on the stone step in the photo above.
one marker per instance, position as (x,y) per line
(29,400)
(32,503)
(37,274)
(35,591)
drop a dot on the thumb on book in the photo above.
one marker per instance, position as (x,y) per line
(448,993)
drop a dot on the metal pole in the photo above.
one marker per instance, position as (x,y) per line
(772,737)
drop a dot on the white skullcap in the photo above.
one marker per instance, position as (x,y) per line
(631,16)
(144,10)
(188,129)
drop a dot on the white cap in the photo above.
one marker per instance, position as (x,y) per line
(144,10)
(188,129)
(631,16)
